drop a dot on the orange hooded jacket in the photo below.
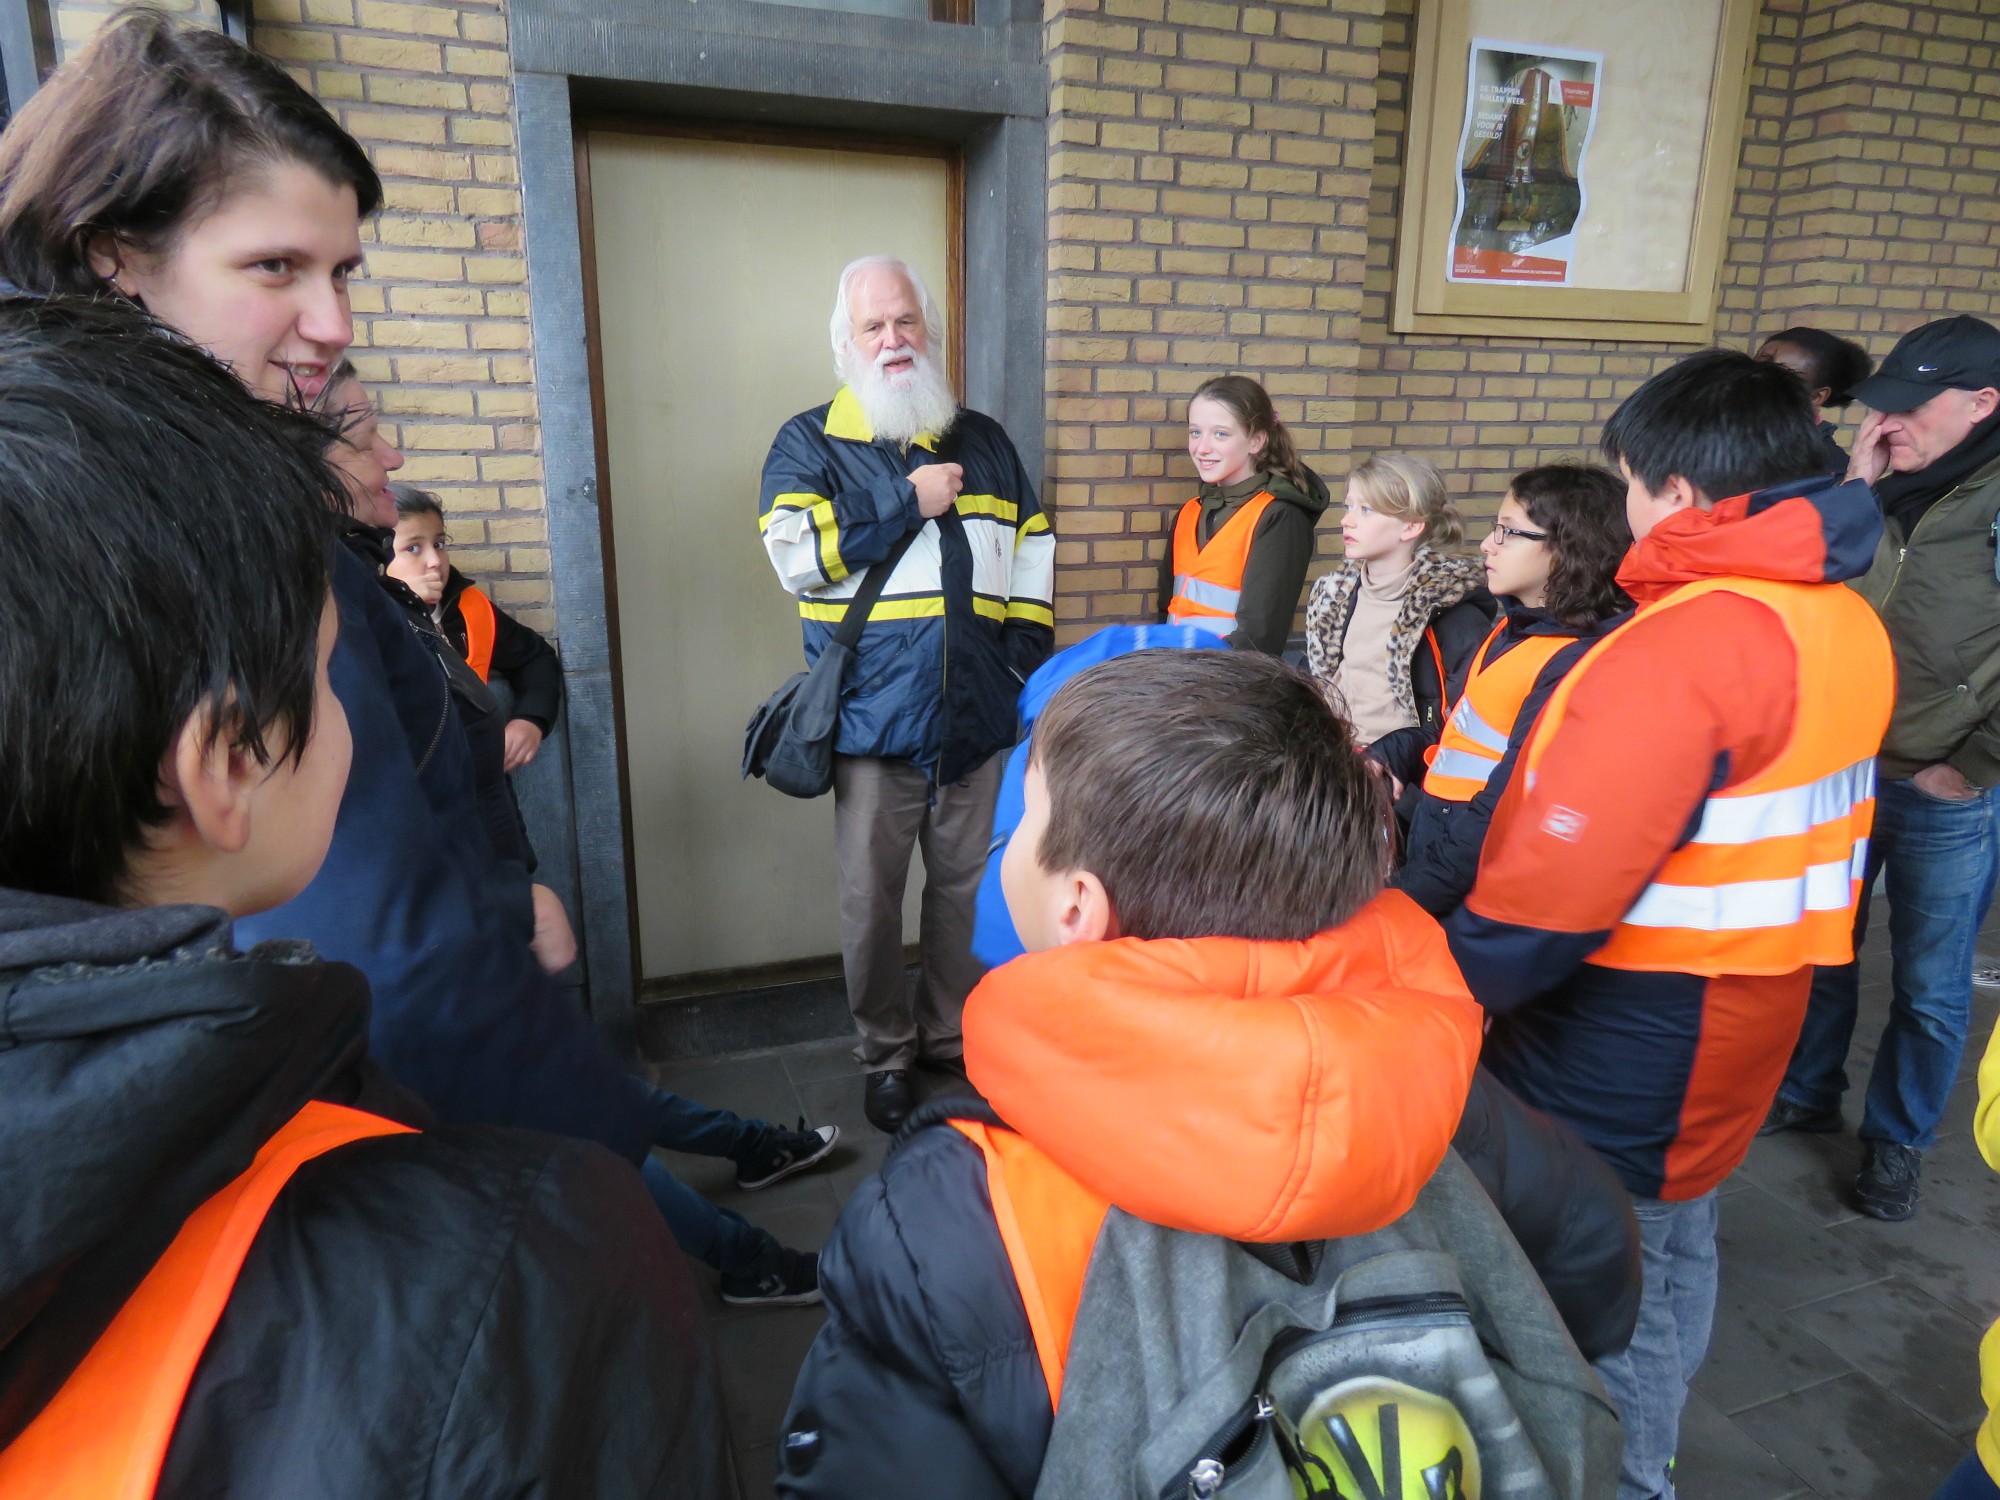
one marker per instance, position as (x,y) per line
(1265,1092)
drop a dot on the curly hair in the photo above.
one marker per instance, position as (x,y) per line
(1401,484)
(1582,508)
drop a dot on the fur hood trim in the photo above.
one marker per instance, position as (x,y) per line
(1441,580)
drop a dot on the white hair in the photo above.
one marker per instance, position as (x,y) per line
(841,326)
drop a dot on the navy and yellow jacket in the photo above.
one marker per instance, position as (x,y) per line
(967,614)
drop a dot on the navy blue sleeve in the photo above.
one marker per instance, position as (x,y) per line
(462,1014)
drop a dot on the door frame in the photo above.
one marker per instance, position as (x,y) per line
(748,976)
(984,87)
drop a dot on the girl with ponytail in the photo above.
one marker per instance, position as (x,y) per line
(1236,562)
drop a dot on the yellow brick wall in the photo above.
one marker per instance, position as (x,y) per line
(441,317)
(1224,178)
(1867,201)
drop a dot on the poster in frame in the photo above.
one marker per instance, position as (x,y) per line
(1569,167)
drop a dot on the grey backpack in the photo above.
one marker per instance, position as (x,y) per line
(1421,1362)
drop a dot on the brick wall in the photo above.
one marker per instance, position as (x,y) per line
(1224,180)
(1865,202)
(441,317)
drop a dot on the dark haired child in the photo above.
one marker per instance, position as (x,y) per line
(1216,992)
(1236,558)
(1683,838)
(1551,561)
(492,641)
(238,1261)
(1831,367)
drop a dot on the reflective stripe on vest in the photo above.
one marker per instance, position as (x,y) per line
(1208,581)
(1048,1222)
(1769,881)
(1474,739)
(104,1435)
(480,627)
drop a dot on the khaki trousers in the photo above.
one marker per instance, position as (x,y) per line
(882,809)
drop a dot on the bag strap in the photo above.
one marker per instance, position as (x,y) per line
(872,583)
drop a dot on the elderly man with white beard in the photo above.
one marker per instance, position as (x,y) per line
(928,704)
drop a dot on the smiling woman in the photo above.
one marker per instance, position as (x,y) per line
(172,165)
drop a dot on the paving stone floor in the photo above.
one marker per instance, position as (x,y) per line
(1844,1360)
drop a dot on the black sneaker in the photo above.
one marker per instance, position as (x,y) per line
(1788,1115)
(1887,1186)
(777,1278)
(783,1152)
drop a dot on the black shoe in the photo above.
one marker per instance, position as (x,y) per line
(783,1152)
(1787,1115)
(951,1066)
(1887,1186)
(777,1278)
(887,1100)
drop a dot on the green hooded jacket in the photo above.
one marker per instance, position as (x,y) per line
(1938,595)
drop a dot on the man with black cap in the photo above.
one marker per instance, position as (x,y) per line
(1930,447)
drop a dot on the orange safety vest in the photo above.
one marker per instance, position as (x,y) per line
(1208,581)
(1474,739)
(1049,1223)
(104,1435)
(1769,881)
(477,612)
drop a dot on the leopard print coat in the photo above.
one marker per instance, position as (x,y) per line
(1441,580)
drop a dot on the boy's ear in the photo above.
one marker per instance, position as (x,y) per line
(1087,915)
(210,780)
(1678,494)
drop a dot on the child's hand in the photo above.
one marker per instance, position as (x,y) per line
(522,743)
(554,945)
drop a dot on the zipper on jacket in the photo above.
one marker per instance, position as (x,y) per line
(1205,1471)
(1903,552)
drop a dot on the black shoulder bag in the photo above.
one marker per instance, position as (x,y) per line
(789,740)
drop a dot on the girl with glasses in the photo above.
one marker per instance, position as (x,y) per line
(1551,560)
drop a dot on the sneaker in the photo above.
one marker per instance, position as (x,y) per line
(1887,1186)
(777,1278)
(783,1152)
(1786,1114)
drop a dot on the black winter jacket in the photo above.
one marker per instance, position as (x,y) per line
(526,662)
(1274,574)
(1441,854)
(457,1312)
(925,1379)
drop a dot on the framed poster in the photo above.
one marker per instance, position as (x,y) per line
(1569,167)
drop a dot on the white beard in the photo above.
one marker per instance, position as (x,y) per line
(921,402)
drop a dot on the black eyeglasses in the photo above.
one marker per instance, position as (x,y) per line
(1507,533)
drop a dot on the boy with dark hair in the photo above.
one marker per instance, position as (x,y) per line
(1222,1025)
(239,1262)
(1688,837)
(491,640)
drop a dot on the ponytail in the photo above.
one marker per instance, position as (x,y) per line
(1251,405)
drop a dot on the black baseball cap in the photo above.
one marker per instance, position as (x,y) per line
(1952,354)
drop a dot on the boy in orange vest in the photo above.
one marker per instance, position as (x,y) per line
(1222,1024)
(1686,834)
(239,1262)
(491,640)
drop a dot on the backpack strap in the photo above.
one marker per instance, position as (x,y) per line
(872,583)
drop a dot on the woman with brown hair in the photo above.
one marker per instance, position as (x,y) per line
(1237,557)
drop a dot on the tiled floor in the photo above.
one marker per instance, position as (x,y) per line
(1843,1365)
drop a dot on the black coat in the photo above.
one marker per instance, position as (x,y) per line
(1441,852)
(456,1312)
(521,658)
(925,1380)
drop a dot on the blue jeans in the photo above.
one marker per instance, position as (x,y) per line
(1969,1481)
(1939,860)
(1648,1381)
(715,1236)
